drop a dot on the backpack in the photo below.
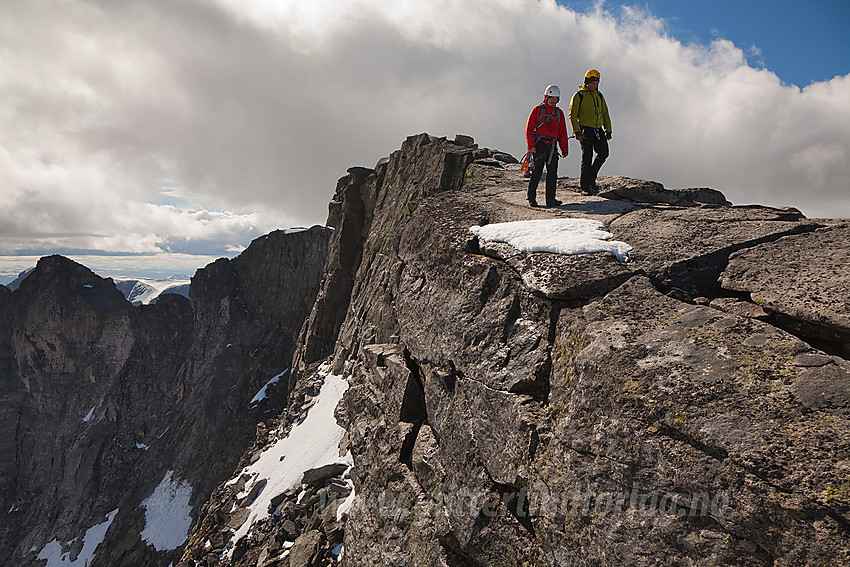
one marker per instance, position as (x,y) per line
(581,98)
(548,117)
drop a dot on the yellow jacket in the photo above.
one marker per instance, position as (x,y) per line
(588,108)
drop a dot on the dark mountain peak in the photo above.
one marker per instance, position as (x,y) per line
(58,280)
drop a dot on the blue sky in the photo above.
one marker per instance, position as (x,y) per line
(800,41)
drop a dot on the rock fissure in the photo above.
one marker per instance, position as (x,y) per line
(515,499)
(833,339)
(700,275)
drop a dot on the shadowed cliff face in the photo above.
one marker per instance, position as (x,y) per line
(102,401)
(511,408)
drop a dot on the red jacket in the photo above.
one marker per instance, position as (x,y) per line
(555,127)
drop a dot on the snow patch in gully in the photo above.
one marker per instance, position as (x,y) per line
(310,444)
(167,519)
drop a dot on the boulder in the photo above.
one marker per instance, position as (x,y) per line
(238,518)
(318,476)
(305,551)
(641,191)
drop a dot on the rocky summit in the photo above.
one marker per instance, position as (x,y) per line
(403,390)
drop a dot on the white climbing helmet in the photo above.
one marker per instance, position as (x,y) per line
(552,90)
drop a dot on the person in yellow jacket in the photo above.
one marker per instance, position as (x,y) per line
(591,124)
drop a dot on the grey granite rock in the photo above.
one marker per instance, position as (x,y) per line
(320,475)
(504,408)
(640,191)
(510,408)
(688,248)
(305,549)
(802,280)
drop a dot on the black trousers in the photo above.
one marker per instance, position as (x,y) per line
(542,157)
(594,141)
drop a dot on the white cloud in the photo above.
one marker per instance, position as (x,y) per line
(125,125)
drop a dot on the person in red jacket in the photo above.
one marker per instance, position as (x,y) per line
(545,129)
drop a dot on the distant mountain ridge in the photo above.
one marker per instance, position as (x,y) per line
(497,407)
(13,285)
(138,291)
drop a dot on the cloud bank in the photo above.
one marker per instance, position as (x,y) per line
(194,126)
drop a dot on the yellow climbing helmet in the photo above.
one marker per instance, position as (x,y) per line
(591,73)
